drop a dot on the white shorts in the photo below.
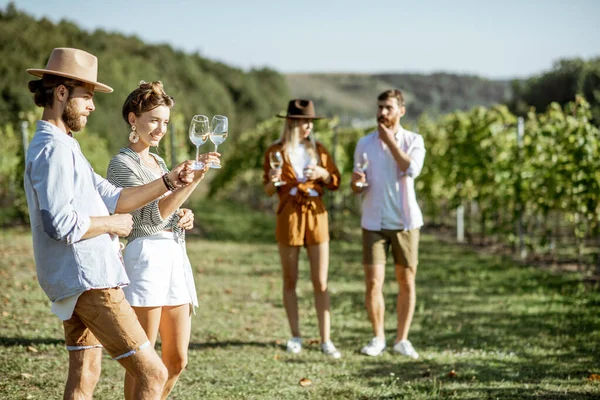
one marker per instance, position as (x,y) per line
(160,272)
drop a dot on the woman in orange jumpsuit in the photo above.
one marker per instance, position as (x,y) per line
(299,178)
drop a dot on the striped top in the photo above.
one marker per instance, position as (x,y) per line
(127,170)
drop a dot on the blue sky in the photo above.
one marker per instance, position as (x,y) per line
(494,39)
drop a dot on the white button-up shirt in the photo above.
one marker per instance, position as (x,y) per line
(387,180)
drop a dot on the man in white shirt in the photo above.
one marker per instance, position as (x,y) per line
(388,160)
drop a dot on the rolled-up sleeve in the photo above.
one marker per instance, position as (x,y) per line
(110,193)
(52,179)
(416,152)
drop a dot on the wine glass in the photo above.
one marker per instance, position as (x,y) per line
(276,162)
(218,133)
(199,133)
(361,166)
(312,163)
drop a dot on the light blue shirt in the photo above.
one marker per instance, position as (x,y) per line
(63,192)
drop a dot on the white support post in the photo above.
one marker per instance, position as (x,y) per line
(25,136)
(521,227)
(460,224)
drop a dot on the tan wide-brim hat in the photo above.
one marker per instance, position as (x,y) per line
(73,64)
(300,109)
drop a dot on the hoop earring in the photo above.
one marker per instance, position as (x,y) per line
(133,136)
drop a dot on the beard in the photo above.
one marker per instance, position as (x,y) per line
(73,118)
(389,122)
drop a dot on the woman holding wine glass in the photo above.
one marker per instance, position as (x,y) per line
(161,289)
(299,169)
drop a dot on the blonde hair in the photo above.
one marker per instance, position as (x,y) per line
(290,138)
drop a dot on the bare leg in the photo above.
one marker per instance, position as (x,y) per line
(175,328)
(149,318)
(405,304)
(148,372)
(289,267)
(374,278)
(84,372)
(318,256)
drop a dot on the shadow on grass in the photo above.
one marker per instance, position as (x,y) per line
(480,377)
(446,323)
(519,393)
(14,341)
(231,343)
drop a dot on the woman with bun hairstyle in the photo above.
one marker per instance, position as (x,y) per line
(162,290)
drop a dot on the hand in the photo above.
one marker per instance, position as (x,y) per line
(210,158)
(316,172)
(186,218)
(205,158)
(385,134)
(275,175)
(120,224)
(182,175)
(358,177)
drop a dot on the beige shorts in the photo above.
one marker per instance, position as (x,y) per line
(103,318)
(404,244)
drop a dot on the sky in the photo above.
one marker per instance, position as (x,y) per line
(495,39)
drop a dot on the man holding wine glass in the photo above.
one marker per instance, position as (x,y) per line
(387,162)
(299,169)
(76,218)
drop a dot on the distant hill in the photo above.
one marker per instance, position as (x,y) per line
(353,96)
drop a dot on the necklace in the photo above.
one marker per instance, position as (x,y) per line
(154,167)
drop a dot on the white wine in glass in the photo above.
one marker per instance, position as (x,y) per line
(218,133)
(276,162)
(199,133)
(312,163)
(361,166)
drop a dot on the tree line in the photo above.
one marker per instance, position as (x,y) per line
(199,85)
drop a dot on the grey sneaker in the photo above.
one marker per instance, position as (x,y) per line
(406,348)
(294,345)
(375,347)
(329,349)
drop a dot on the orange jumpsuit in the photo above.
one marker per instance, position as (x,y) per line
(302,220)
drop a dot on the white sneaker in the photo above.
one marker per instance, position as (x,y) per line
(375,347)
(406,348)
(329,349)
(294,345)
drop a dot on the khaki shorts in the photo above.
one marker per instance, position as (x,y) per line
(405,247)
(103,318)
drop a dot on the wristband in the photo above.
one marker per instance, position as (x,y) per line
(168,183)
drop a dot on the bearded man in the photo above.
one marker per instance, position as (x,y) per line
(391,158)
(75,237)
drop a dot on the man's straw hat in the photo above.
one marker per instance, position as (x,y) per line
(73,64)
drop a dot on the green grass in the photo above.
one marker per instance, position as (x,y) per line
(508,331)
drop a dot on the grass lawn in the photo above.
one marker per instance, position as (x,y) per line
(486,328)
